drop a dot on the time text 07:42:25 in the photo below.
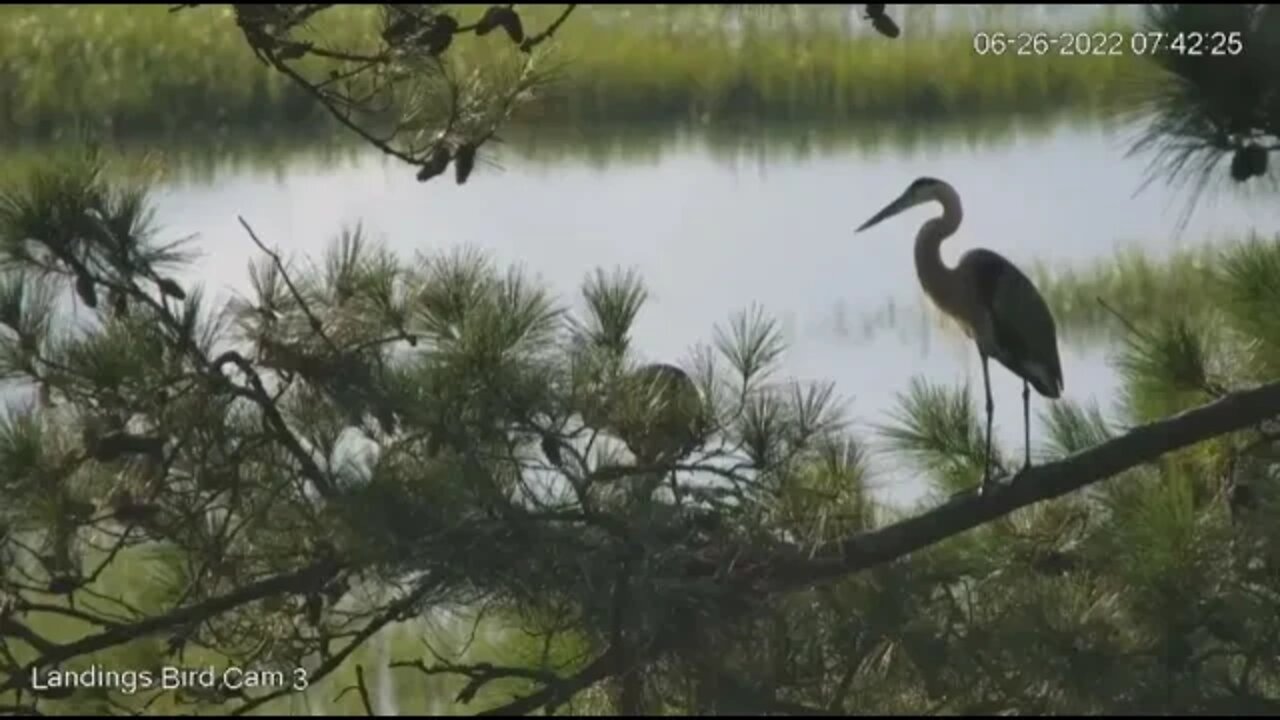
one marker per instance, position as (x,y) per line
(1081,43)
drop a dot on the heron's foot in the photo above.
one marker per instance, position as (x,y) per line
(992,483)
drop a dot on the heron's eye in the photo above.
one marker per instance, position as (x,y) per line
(919,186)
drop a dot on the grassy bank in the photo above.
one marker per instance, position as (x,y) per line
(141,69)
(203,157)
(1148,289)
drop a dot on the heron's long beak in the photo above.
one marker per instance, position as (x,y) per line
(893,208)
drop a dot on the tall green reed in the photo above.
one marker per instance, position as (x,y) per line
(139,70)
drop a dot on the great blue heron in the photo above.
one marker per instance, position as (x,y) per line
(995,303)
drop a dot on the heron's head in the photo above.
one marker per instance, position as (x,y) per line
(917,193)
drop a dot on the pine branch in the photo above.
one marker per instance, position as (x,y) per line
(121,634)
(555,693)
(394,612)
(15,629)
(376,112)
(257,393)
(363,689)
(316,325)
(530,43)
(1147,443)
(477,675)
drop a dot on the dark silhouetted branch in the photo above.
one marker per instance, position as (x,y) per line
(259,395)
(15,629)
(414,35)
(341,117)
(393,613)
(477,675)
(558,692)
(530,43)
(1147,443)
(362,689)
(316,325)
(121,634)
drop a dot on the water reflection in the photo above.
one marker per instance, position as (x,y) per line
(212,157)
(713,231)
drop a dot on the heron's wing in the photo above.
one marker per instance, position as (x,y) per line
(1023,327)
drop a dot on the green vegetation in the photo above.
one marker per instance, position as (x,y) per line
(1197,111)
(1099,304)
(1150,290)
(401,460)
(140,69)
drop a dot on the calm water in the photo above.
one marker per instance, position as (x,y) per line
(713,234)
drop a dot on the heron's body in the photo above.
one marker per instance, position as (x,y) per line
(999,309)
(997,305)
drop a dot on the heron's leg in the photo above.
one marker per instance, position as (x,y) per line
(1026,426)
(991,407)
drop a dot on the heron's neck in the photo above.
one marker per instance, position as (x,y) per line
(936,278)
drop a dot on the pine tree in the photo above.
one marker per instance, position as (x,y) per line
(1214,96)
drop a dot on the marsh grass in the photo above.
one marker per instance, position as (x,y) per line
(1145,288)
(139,70)
(201,158)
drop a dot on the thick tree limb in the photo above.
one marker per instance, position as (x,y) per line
(15,629)
(30,607)
(1144,444)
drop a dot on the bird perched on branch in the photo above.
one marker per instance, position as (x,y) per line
(666,422)
(657,412)
(996,304)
